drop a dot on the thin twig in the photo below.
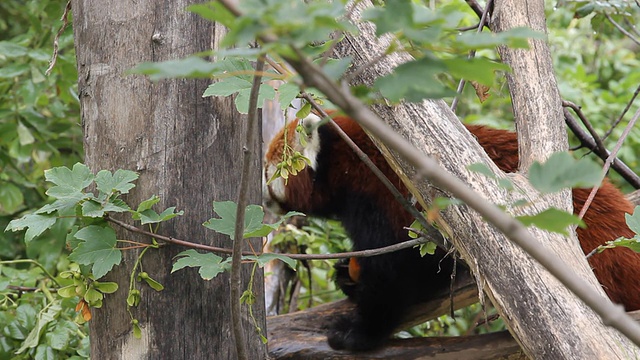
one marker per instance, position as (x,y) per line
(65,23)
(585,140)
(477,8)
(30,261)
(624,112)
(472,54)
(28,288)
(610,159)
(630,25)
(238,239)
(600,146)
(344,255)
(621,29)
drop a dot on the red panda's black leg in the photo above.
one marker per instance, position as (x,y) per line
(388,284)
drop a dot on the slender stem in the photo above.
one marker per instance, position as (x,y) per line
(621,29)
(238,241)
(362,253)
(29,261)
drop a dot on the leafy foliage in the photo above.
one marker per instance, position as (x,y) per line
(39,129)
(312,236)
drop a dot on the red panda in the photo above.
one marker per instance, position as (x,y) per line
(338,185)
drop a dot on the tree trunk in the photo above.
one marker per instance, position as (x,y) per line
(547,320)
(186,149)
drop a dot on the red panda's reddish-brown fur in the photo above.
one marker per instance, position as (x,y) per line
(618,270)
(341,186)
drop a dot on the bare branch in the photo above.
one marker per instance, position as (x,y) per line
(65,23)
(609,160)
(589,143)
(362,253)
(624,112)
(621,29)
(599,145)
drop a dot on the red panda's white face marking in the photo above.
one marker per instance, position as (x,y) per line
(311,150)
(274,193)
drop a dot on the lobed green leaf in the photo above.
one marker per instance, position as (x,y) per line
(562,171)
(553,220)
(97,248)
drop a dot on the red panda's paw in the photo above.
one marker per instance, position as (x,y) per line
(347,333)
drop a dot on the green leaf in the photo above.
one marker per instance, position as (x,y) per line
(633,243)
(45,352)
(428,248)
(395,16)
(153,283)
(232,85)
(105,287)
(401,83)
(483,169)
(45,316)
(149,216)
(561,171)
(36,225)
(213,11)
(11,71)
(137,331)
(98,248)
(67,291)
(191,67)
(60,337)
(335,68)
(633,220)
(515,38)
(475,69)
(120,181)
(253,226)
(264,258)
(62,206)
(24,135)
(226,223)
(287,92)
(210,264)
(11,198)
(147,204)
(553,220)
(10,49)
(70,183)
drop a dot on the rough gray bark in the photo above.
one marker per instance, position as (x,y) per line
(186,149)
(537,106)
(547,320)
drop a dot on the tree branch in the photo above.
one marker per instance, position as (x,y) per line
(609,160)
(588,142)
(362,253)
(621,29)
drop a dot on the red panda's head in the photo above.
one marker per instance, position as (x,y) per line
(281,195)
